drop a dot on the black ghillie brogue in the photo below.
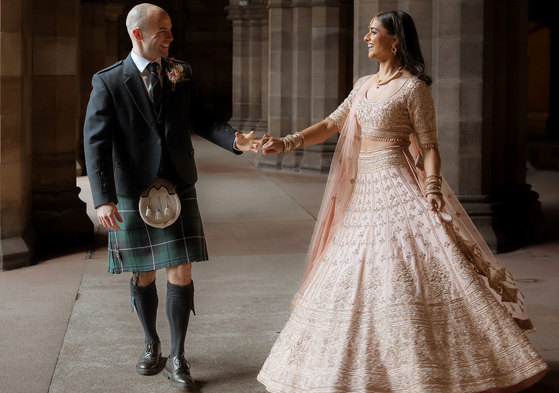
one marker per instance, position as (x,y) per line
(177,370)
(148,364)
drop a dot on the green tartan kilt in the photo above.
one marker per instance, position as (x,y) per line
(138,247)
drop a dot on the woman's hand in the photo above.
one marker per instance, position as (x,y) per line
(272,145)
(436,201)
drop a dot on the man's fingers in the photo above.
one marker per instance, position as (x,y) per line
(112,223)
(118,217)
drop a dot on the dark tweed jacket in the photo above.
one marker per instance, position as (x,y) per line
(122,141)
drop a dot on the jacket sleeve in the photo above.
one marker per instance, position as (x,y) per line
(98,143)
(206,124)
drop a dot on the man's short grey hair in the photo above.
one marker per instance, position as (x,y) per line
(138,16)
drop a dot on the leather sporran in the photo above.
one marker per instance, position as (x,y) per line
(160,205)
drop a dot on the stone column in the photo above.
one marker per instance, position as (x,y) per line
(256,13)
(280,94)
(112,24)
(457,58)
(15,139)
(262,125)
(302,77)
(516,212)
(422,13)
(241,64)
(330,56)
(59,216)
(363,11)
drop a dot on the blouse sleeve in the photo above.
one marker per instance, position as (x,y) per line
(340,114)
(422,115)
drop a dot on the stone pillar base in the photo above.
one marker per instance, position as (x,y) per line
(519,219)
(292,161)
(482,213)
(261,127)
(317,158)
(269,161)
(15,252)
(237,124)
(512,220)
(249,125)
(60,220)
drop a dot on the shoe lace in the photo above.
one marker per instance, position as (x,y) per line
(182,364)
(150,348)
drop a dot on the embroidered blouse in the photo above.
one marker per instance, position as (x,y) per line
(408,110)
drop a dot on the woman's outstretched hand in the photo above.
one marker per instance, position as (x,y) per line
(272,145)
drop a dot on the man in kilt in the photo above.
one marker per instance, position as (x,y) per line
(136,131)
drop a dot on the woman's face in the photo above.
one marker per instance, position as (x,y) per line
(379,41)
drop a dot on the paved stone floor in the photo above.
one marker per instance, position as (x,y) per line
(66,325)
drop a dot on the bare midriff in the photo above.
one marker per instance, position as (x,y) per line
(368,143)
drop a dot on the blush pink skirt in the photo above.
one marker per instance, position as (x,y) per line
(396,307)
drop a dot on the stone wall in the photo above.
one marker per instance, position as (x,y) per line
(291,68)
(15,134)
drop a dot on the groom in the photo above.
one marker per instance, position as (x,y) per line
(135,131)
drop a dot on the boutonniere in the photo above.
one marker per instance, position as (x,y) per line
(175,74)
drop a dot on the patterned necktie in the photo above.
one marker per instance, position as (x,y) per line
(155,84)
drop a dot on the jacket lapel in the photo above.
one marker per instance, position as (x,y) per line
(136,89)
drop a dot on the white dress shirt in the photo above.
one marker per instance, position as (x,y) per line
(142,65)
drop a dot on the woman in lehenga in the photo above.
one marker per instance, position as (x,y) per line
(401,292)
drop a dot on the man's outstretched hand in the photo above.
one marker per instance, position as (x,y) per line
(107,215)
(246,142)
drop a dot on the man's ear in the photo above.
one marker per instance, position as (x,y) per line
(137,34)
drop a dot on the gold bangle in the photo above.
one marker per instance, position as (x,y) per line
(434,179)
(293,141)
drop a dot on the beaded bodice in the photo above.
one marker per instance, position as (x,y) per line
(409,110)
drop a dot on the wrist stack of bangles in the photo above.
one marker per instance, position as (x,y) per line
(293,141)
(433,185)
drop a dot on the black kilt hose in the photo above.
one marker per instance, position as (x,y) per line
(138,247)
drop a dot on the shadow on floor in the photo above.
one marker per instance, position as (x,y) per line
(550,383)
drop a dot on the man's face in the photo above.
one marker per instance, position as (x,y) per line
(157,36)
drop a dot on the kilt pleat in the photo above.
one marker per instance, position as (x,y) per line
(138,247)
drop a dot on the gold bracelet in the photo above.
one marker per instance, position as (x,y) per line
(434,179)
(293,141)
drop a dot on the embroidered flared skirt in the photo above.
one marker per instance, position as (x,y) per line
(138,247)
(396,307)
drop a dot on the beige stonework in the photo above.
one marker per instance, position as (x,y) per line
(15,195)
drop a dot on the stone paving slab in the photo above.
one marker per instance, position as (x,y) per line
(35,307)
(240,303)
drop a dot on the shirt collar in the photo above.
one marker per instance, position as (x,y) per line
(142,63)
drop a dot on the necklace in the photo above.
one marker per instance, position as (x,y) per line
(381,82)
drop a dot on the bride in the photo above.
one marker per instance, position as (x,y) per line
(401,293)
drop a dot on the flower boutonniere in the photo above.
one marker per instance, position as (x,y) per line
(175,74)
